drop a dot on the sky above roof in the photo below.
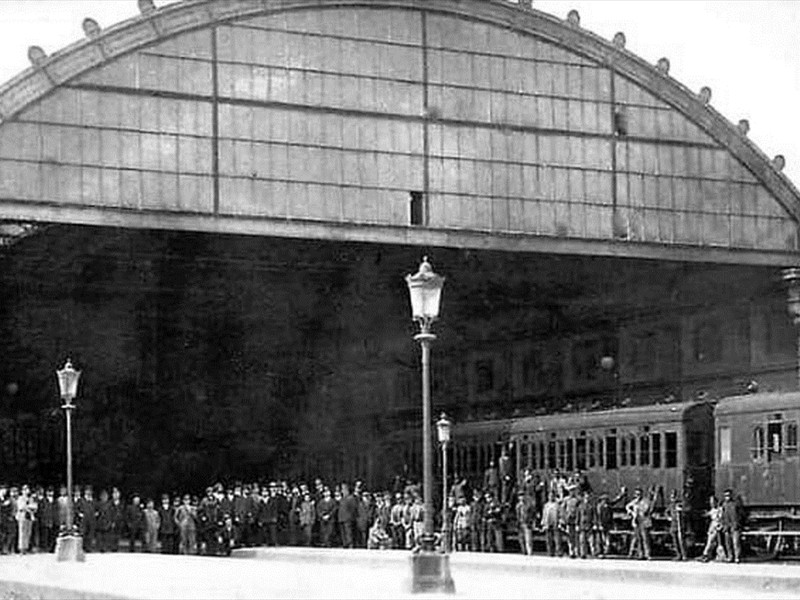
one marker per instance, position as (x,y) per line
(746,52)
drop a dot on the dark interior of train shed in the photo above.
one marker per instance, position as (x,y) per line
(208,356)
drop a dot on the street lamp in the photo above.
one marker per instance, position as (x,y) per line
(444,427)
(430,570)
(69,545)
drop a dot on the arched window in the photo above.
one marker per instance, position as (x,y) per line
(758,447)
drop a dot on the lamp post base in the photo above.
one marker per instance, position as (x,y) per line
(430,573)
(69,547)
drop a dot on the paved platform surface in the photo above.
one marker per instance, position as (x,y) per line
(317,573)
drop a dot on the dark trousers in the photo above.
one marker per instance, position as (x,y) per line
(134,536)
(733,544)
(553,540)
(272,534)
(678,543)
(346,527)
(398,535)
(169,543)
(47,538)
(326,533)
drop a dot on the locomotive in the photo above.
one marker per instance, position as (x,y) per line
(698,448)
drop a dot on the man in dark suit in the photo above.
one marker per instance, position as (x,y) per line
(87,508)
(732,517)
(346,516)
(167,529)
(134,523)
(48,521)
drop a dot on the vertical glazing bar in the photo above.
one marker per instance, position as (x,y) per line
(70,507)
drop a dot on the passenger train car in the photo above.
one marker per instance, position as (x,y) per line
(747,443)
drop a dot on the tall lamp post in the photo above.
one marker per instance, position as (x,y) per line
(444,427)
(69,545)
(430,571)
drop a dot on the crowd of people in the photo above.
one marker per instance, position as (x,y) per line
(562,509)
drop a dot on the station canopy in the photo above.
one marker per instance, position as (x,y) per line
(465,124)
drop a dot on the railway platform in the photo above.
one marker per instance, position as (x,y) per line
(319,573)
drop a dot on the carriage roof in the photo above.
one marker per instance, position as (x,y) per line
(756,403)
(637,415)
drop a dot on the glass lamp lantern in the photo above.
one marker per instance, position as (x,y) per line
(425,291)
(444,428)
(68,382)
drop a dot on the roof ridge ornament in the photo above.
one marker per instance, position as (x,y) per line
(662,66)
(526,4)
(779,162)
(619,40)
(574,18)
(705,94)
(743,126)
(37,56)
(91,28)
(146,7)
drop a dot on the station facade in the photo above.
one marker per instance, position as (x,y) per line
(211,208)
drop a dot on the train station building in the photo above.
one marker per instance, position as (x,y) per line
(211,208)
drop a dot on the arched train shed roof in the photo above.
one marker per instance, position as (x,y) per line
(764,233)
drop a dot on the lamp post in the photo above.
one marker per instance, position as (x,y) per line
(430,570)
(69,545)
(444,427)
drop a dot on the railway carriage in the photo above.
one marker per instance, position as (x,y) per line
(757,455)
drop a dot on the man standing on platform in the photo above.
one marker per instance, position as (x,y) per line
(48,521)
(168,529)
(87,507)
(134,522)
(550,525)
(347,516)
(732,526)
(525,521)
(677,525)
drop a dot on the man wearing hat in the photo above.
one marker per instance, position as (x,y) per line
(48,521)
(134,521)
(87,507)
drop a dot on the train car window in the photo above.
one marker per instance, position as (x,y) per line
(562,454)
(580,453)
(757,449)
(724,445)
(611,452)
(473,459)
(791,438)
(671,450)
(542,456)
(551,455)
(601,457)
(775,437)
(590,455)
(644,450)
(529,451)
(570,454)
(623,451)
(655,439)
(632,450)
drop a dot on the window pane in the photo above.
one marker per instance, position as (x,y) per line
(551,455)
(791,438)
(632,450)
(724,445)
(644,450)
(775,439)
(542,456)
(570,454)
(562,454)
(670,450)
(757,449)
(591,455)
(611,452)
(655,438)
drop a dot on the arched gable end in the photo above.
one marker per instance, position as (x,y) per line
(506,122)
